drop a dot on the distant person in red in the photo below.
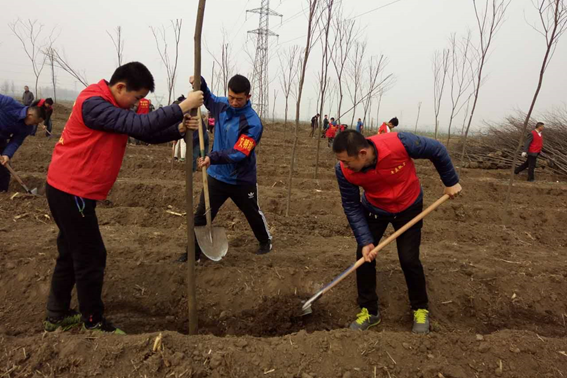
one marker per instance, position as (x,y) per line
(388,126)
(143,106)
(85,164)
(342,127)
(532,149)
(211,123)
(47,104)
(331,132)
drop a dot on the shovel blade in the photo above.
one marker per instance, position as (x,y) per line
(215,244)
(34,191)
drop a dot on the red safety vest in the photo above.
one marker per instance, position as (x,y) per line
(143,106)
(537,143)
(331,132)
(393,185)
(384,129)
(86,162)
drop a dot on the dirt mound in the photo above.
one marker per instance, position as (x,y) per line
(497,289)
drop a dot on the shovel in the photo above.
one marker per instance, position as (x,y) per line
(306,309)
(9,168)
(212,240)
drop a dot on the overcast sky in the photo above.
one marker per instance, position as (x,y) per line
(407,32)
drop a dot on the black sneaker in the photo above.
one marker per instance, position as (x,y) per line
(264,248)
(104,326)
(66,322)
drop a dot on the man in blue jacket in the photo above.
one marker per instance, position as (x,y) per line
(232,162)
(16,123)
(382,165)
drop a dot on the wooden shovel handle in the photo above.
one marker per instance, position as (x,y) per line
(18,179)
(390,239)
(204,170)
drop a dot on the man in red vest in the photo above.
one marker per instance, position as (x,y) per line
(382,165)
(387,127)
(83,169)
(532,149)
(143,106)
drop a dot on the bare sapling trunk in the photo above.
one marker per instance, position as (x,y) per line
(440,66)
(346,34)
(313,6)
(63,63)
(460,78)
(355,73)
(417,119)
(553,18)
(325,26)
(170,63)
(288,65)
(118,43)
(488,23)
(29,34)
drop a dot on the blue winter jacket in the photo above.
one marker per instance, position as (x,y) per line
(159,126)
(12,126)
(237,133)
(417,147)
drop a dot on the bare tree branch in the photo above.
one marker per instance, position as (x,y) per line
(118,42)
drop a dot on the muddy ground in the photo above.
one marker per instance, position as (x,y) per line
(496,279)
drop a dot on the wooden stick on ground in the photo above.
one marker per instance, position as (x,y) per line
(191,285)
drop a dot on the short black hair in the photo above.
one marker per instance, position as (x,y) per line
(39,111)
(135,75)
(332,117)
(539,124)
(350,141)
(49,101)
(394,121)
(239,84)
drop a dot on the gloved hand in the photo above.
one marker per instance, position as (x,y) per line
(524,154)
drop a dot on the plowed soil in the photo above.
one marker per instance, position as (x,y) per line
(496,279)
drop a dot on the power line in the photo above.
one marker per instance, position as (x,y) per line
(375,9)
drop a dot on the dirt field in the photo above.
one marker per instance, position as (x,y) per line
(497,292)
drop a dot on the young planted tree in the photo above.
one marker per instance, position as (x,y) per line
(309,43)
(225,63)
(29,34)
(553,19)
(50,53)
(118,43)
(63,63)
(375,68)
(417,119)
(346,34)
(355,71)
(489,21)
(460,78)
(170,63)
(274,106)
(440,65)
(326,50)
(288,65)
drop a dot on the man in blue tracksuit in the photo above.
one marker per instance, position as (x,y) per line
(232,162)
(16,123)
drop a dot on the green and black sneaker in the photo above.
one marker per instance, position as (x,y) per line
(103,326)
(365,320)
(70,320)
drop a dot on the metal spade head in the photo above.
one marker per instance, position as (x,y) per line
(306,308)
(213,244)
(34,191)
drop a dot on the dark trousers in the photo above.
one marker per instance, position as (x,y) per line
(34,130)
(408,252)
(530,164)
(4,173)
(48,127)
(244,196)
(82,256)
